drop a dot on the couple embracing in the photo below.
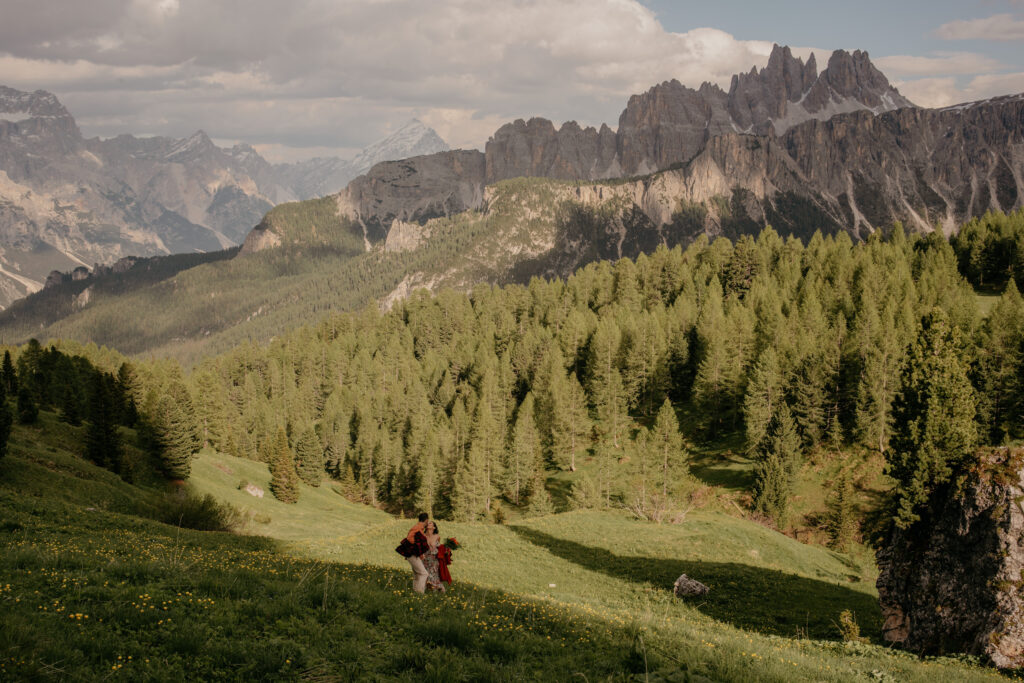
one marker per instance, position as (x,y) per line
(427,555)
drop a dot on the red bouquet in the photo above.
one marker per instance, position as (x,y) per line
(444,558)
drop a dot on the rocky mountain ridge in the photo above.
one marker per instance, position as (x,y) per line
(669,125)
(69,202)
(858,170)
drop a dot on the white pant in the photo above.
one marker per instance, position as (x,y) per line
(419,574)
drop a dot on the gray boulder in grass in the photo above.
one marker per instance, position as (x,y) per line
(685,587)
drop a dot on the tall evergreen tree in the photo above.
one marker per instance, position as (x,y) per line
(842,514)
(28,411)
(999,366)
(570,424)
(6,419)
(667,444)
(284,481)
(606,390)
(934,416)
(764,394)
(524,451)
(103,443)
(777,462)
(310,456)
(170,438)
(8,376)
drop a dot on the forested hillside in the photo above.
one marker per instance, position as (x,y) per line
(451,402)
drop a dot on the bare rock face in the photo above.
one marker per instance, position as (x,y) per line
(415,190)
(685,587)
(952,583)
(535,148)
(670,123)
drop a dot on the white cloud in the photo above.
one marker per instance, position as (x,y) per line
(945,91)
(939,64)
(328,74)
(996,27)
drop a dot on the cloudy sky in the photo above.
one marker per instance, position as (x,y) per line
(299,78)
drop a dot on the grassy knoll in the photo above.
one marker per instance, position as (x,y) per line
(92,587)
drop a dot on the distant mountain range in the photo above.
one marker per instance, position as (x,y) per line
(839,151)
(836,150)
(67,201)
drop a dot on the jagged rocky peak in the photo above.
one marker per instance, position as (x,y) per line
(16,105)
(757,97)
(194,146)
(670,123)
(37,118)
(536,148)
(851,82)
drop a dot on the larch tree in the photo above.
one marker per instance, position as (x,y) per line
(765,392)
(309,454)
(284,481)
(934,414)
(570,423)
(524,451)
(103,443)
(666,444)
(777,461)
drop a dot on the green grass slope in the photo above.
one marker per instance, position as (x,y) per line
(91,587)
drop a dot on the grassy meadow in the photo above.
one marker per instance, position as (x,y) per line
(94,587)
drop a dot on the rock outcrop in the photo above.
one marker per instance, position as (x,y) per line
(536,149)
(953,582)
(415,190)
(685,587)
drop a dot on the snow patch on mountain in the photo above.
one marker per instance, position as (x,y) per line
(411,140)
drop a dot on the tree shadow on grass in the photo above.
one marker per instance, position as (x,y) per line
(748,597)
(725,469)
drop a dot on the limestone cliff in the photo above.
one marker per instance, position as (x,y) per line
(952,583)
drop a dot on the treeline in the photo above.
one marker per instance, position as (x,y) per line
(990,249)
(453,401)
(73,383)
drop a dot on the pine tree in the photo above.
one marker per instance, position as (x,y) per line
(606,390)
(127,385)
(540,500)
(666,443)
(310,456)
(712,385)
(471,493)
(170,438)
(934,416)
(524,452)
(70,404)
(284,482)
(842,514)
(764,393)
(999,365)
(103,443)
(426,490)
(8,377)
(570,423)
(6,420)
(28,411)
(880,346)
(777,462)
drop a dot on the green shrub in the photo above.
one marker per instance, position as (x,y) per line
(205,513)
